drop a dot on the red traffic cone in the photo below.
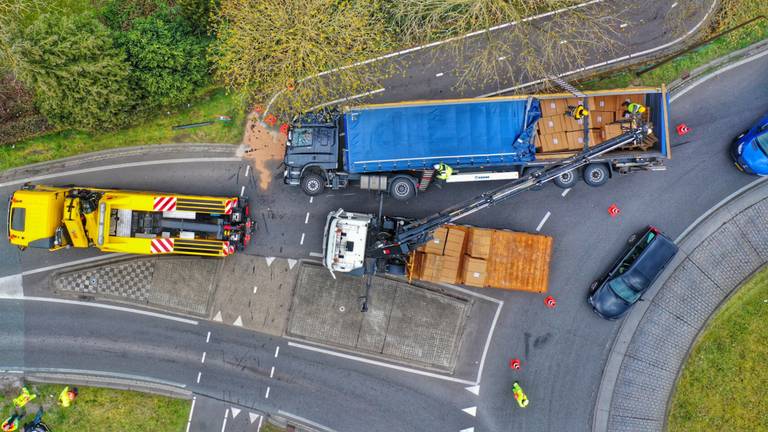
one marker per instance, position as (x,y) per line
(550,302)
(614,210)
(682,129)
(514,363)
(284,129)
(270,120)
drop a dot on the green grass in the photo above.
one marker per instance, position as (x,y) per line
(675,69)
(102,409)
(724,386)
(156,130)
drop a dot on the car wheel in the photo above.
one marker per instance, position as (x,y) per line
(595,175)
(402,188)
(566,180)
(312,184)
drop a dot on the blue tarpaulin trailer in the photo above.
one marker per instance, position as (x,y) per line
(394,147)
(417,136)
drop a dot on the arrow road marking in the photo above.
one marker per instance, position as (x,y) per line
(252,417)
(471,411)
(270,260)
(291,263)
(475,390)
(218,317)
(238,322)
(235,412)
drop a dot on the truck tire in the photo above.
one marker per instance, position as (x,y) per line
(312,184)
(402,188)
(595,175)
(567,180)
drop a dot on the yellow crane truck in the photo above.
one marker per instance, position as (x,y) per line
(124,221)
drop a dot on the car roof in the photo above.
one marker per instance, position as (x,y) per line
(650,262)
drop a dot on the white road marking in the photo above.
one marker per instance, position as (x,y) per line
(305,421)
(270,260)
(258,428)
(11,287)
(242,190)
(252,416)
(379,363)
(475,389)
(272,372)
(316,254)
(565,192)
(291,263)
(255,289)
(191,411)
(71,263)
(266,395)
(306,218)
(224,424)
(543,221)
(311,199)
(469,429)
(103,306)
(208,338)
(218,317)
(471,411)
(346,99)
(439,74)
(203,359)
(199,374)
(235,412)
(247,170)
(301,242)
(277,351)
(116,167)
(612,61)
(238,322)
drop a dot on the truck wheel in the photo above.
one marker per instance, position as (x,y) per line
(402,188)
(566,180)
(595,175)
(312,184)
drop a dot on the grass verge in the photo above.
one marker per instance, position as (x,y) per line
(157,130)
(723,385)
(103,409)
(732,13)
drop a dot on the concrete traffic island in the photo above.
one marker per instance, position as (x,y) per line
(720,251)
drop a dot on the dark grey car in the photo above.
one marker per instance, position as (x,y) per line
(613,295)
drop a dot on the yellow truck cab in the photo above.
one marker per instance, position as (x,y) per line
(128,221)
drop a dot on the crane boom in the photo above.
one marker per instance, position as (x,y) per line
(411,235)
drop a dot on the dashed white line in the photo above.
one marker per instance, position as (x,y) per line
(277,351)
(272,372)
(199,374)
(247,170)
(242,190)
(565,192)
(301,242)
(266,395)
(306,218)
(316,254)
(191,410)
(311,199)
(224,424)
(258,428)
(439,74)
(203,359)
(208,338)
(543,221)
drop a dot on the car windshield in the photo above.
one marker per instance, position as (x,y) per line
(762,142)
(622,290)
(301,137)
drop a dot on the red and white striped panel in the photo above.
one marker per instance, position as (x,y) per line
(161,245)
(230,204)
(225,248)
(165,203)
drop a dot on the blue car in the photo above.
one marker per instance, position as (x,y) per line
(750,149)
(640,265)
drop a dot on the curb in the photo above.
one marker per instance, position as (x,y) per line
(121,152)
(134,384)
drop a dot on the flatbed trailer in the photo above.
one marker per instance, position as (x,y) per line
(484,258)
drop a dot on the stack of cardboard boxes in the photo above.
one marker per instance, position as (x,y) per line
(440,259)
(559,132)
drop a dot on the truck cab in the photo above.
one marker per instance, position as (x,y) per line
(312,151)
(34,218)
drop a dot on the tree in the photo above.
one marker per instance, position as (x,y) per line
(167,60)
(78,76)
(266,47)
(12,13)
(198,14)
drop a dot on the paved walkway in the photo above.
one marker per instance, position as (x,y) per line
(717,254)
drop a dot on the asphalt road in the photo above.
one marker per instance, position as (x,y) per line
(563,350)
